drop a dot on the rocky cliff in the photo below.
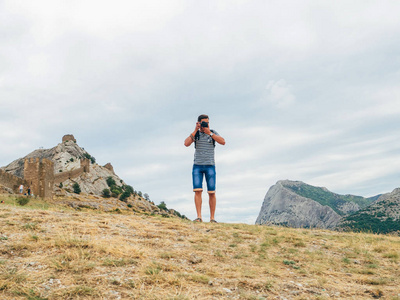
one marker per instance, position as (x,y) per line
(283,206)
(66,157)
(296,204)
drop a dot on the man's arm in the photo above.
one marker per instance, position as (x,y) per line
(190,139)
(219,139)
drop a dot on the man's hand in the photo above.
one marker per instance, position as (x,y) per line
(197,127)
(207,130)
(190,139)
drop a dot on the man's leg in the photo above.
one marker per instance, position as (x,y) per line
(198,201)
(211,182)
(213,204)
(197,176)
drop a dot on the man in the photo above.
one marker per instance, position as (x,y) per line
(204,163)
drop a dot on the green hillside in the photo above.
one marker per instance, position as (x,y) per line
(325,197)
(380,217)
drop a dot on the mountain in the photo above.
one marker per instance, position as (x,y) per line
(296,204)
(66,157)
(383,216)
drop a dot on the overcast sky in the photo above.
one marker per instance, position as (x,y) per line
(300,90)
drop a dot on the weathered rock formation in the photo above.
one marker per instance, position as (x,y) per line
(285,207)
(65,164)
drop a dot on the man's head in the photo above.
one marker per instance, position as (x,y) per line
(201,119)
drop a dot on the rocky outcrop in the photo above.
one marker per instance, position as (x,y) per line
(283,206)
(69,168)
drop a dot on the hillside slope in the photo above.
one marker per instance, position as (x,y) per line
(67,254)
(66,157)
(383,216)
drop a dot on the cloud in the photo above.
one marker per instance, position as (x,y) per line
(279,94)
(300,90)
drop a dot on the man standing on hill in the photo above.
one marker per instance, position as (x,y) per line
(204,140)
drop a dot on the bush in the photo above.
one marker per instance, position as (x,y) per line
(128,188)
(117,190)
(88,156)
(124,196)
(77,188)
(106,193)
(110,181)
(162,206)
(23,201)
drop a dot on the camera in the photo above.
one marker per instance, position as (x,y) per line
(204,124)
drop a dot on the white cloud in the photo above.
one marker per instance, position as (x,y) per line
(129,79)
(279,94)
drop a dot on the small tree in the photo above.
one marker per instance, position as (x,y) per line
(125,195)
(110,181)
(106,193)
(116,190)
(162,206)
(128,188)
(23,201)
(146,196)
(77,188)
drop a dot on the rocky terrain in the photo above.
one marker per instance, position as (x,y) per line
(283,206)
(383,216)
(296,204)
(59,252)
(66,157)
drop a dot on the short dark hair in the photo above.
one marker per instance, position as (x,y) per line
(201,117)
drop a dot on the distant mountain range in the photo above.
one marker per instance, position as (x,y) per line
(297,204)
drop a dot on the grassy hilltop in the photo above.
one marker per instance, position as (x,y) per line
(53,252)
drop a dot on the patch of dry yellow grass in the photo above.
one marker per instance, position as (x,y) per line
(64,254)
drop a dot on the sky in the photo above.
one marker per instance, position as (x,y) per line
(300,90)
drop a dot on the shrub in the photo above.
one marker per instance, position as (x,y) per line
(162,206)
(110,181)
(23,201)
(106,193)
(124,196)
(117,190)
(128,188)
(88,156)
(77,188)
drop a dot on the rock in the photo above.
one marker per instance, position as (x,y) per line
(282,206)
(195,259)
(227,290)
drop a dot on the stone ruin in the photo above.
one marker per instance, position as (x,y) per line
(39,175)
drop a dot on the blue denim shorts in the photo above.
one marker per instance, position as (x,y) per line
(199,172)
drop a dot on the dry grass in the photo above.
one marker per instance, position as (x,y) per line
(49,252)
